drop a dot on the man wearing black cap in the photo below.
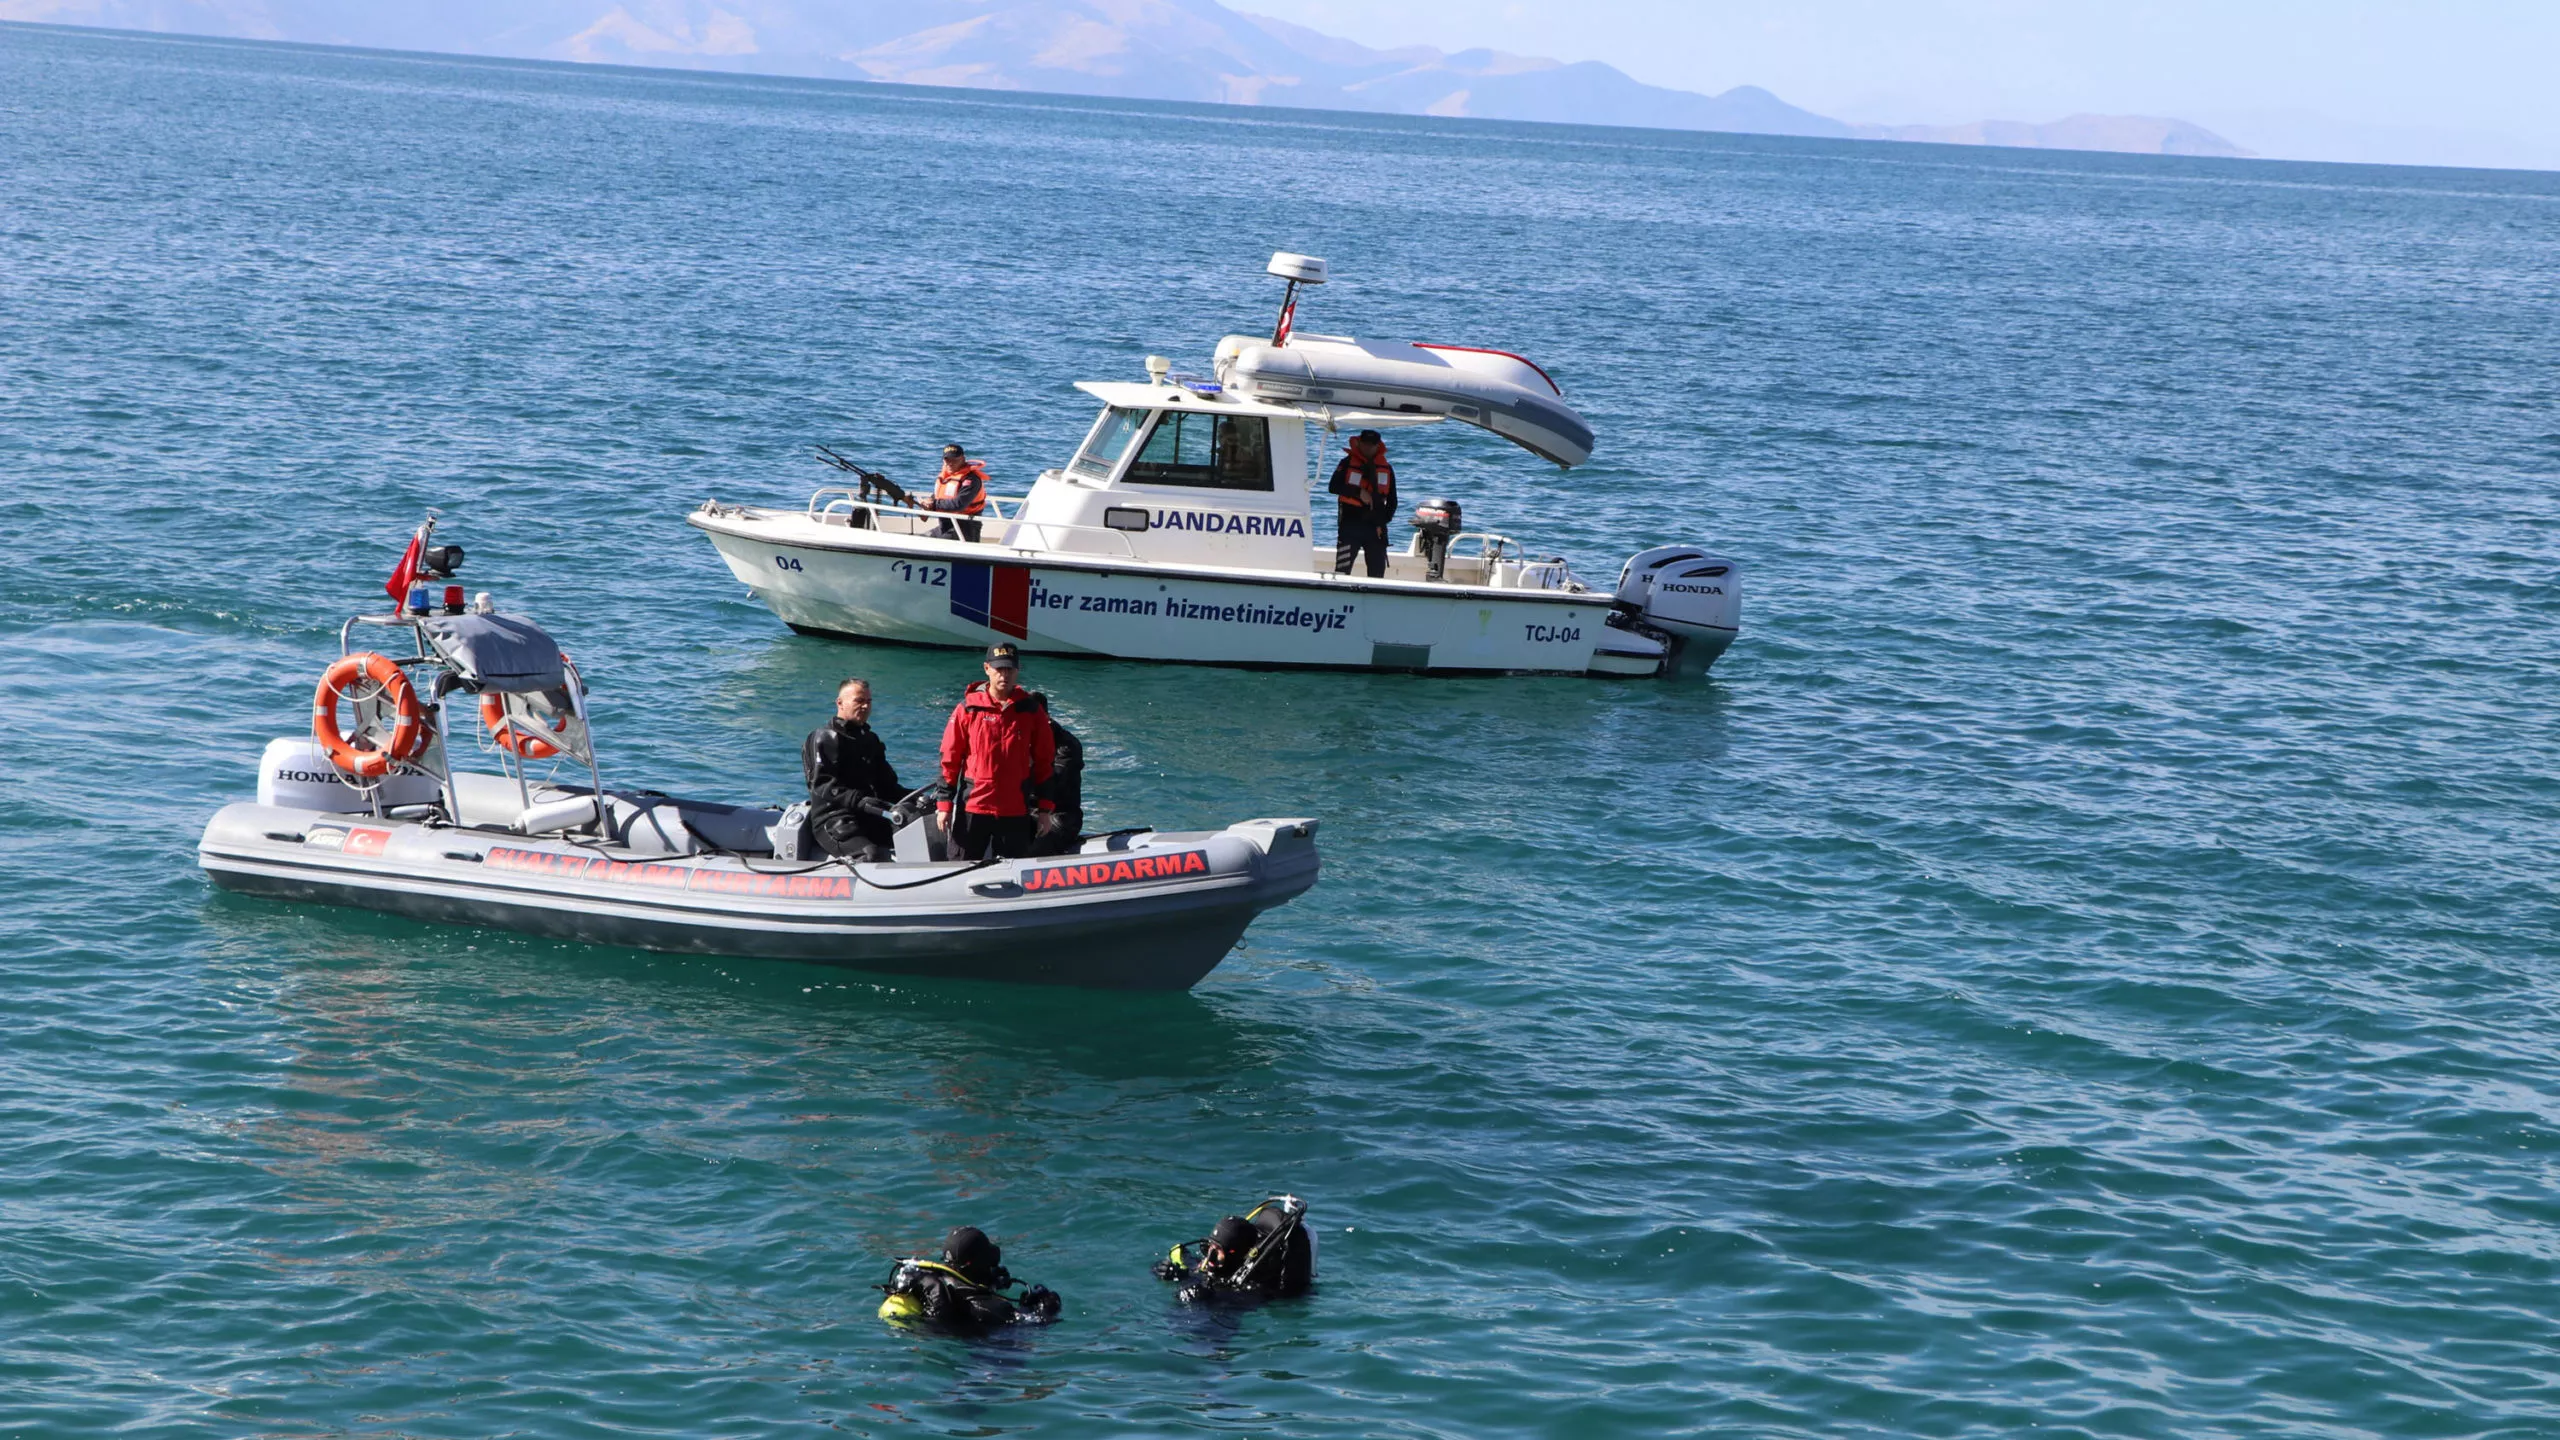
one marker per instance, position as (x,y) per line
(998,757)
(961,489)
(1366,485)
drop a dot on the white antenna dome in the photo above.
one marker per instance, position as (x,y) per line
(1299,269)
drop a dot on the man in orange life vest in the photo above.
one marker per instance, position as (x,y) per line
(1366,485)
(961,489)
(998,755)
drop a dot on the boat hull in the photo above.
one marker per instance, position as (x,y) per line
(872,585)
(1016,921)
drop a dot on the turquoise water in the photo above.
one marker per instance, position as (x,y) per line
(2083,964)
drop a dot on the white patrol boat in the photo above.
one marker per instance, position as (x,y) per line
(1182,530)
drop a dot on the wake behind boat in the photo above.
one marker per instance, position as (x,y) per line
(1182,530)
(369,811)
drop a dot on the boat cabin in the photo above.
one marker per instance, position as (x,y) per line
(1188,474)
(1179,472)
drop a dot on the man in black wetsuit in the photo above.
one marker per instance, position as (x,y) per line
(1066,789)
(1246,1257)
(963,1289)
(852,786)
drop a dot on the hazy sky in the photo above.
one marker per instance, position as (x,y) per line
(2450,82)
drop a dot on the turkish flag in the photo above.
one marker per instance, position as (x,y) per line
(407,574)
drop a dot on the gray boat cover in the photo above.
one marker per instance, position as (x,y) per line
(506,653)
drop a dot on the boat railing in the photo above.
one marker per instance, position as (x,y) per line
(846,500)
(1489,546)
(1045,527)
(1493,549)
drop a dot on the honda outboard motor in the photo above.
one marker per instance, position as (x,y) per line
(1435,524)
(1688,596)
(296,774)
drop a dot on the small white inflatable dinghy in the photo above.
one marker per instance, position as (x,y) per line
(369,811)
(1491,389)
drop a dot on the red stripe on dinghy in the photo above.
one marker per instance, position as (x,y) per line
(658,875)
(1505,354)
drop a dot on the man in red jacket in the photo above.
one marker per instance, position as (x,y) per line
(997,755)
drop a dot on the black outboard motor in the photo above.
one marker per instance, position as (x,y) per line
(1435,524)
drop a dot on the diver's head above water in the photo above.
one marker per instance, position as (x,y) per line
(968,1250)
(1229,1243)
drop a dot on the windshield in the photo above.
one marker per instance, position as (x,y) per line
(1219,452)
(1109,441)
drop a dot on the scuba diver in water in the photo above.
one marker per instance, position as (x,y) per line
(1265,1253)
(964,1289)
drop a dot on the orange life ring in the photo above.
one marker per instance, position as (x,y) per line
(512,736)
(409,721)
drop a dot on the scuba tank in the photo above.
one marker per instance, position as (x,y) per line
(901,1308)
(904,1301)
(1284,1260)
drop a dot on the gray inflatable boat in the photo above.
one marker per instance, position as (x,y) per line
(369,811)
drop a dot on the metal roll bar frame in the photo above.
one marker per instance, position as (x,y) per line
(442,769)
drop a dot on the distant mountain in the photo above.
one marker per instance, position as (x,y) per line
(1196,50)
(1188,50)
(2135,134)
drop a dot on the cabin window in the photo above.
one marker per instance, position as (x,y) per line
(1109,441)
(1199,448)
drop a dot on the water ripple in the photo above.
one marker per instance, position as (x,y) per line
(2080,967)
